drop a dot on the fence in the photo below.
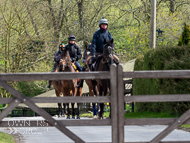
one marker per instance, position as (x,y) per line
(116,99)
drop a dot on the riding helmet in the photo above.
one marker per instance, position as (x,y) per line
(61,45)
(72,38)
(103,21)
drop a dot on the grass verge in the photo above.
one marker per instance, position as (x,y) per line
(185,127)
(136,115)
(5,138)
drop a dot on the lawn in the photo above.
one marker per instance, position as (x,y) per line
(5,138)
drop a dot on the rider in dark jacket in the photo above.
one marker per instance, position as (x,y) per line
(56,59)
(98,42)
(74,51)
(98,38)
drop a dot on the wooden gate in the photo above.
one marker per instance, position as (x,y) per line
(59,124)
(116,99)
(172,123)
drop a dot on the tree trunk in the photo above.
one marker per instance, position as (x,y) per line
(81,22)
(80,13)
(172,6)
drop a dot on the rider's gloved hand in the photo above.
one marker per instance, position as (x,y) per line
(73,60)
(93,59)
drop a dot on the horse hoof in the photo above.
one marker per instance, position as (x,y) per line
(68,117)
(78,117)
(95,117)
(73,117)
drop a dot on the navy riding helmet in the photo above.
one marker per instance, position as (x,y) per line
(72,38)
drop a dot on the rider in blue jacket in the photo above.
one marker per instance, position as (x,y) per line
(97,43)
(98,39)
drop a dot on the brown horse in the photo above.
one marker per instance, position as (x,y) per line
(57,84)
(107,59)
(68,87)
(92,84)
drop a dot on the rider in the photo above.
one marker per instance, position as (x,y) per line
(96,48)
(56,59)
(74,52)
(80,84)
(98,39)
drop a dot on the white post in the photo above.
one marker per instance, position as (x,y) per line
(153,25)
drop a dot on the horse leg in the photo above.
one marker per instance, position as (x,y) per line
(101,104)
(64,108)
(78,117)
(68,112)
(94,110)
(73,110)
(60,110)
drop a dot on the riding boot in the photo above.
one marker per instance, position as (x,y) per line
(49,85)
(80,83)
(81,80)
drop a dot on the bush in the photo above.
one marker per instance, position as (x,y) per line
(185,36)
(163,58)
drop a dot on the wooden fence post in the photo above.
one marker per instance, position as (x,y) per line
(114,116)
(120,100)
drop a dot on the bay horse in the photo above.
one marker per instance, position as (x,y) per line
(92,84)
(57,84)
(68,86)
(108,58)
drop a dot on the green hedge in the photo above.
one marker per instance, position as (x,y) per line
(163,58)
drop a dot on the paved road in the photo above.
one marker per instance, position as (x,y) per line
(90,134)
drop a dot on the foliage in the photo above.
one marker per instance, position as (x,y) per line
(5,138)
(185,126)
(163,58)
(170,24)
(32,88)
(131,41)
(185,36)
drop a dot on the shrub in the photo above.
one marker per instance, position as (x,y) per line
(185,36)
(163,58)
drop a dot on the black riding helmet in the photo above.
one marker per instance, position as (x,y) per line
(72,38)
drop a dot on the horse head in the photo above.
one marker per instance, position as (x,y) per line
(88,57)
(108,51)
(65,60)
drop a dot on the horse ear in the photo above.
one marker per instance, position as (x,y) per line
(112,40)
(105,41)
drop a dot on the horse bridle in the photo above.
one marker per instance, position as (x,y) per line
(64,63)
(108,57)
